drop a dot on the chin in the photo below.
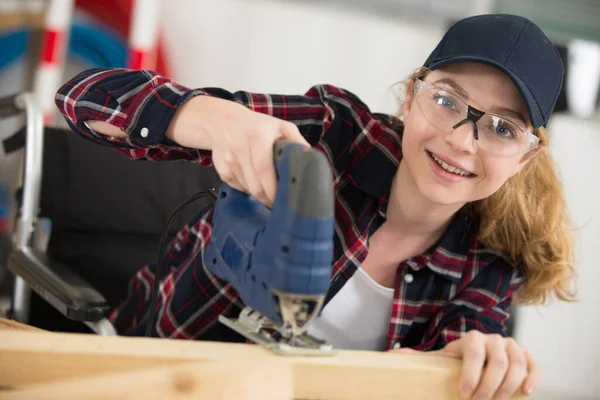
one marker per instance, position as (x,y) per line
(442,195)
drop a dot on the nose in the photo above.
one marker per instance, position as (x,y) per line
(462,139)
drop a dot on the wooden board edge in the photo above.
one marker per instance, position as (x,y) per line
(10,324)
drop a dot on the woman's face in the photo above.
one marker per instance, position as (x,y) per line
(424,146)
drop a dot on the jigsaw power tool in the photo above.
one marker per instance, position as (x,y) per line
(279,260)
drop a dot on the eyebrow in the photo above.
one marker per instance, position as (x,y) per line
(463,93)
(512,113)
(455,86)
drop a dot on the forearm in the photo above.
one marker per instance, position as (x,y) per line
(129,111)
(197,122)
(191,125)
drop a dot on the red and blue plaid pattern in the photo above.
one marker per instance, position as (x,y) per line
(457,286)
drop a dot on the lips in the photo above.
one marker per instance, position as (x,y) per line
(450,166)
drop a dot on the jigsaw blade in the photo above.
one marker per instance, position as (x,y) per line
(259,329)
(298,312)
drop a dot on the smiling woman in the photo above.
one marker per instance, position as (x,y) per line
(443,216)
(507,172)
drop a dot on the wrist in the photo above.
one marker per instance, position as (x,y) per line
(189,126)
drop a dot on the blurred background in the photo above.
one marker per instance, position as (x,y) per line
(286,46)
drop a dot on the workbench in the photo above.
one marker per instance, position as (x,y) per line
(37,364)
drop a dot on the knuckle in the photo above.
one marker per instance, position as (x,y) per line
(474,352)
(224,171)
(291,126)
(221,168)
(520,362)
(227,160)
(500,362)
(473,334)
(226,174)
(494,337)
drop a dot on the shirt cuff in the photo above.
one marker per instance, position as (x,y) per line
(152,119)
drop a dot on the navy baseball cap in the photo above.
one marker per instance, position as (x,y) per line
(516,46)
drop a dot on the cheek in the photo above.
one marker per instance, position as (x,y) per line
(497,171)
(417,131)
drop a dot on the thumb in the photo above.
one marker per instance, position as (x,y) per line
(453,349)
(290,132)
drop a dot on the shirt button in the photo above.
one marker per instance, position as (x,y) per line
(397,345)
(408,278)
(144,132)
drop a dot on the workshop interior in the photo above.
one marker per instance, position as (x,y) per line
(77,220)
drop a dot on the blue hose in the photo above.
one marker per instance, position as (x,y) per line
(93,45)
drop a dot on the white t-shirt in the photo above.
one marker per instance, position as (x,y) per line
(358,316)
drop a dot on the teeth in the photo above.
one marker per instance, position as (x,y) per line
(449,168)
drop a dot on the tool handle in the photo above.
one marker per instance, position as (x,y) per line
(288,248)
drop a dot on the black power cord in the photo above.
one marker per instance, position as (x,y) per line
(160,264)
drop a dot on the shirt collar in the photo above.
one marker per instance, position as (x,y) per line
(444,257)
(448,256)
(373,173)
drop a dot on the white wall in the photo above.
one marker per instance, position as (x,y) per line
(285,48)
(268,46)
(565,337)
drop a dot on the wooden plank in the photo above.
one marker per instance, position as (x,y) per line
(209,380)
(33,357)
(6,324)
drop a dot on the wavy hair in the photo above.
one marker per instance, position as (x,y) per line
(527,219)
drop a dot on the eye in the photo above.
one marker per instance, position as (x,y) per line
(504,129)
(444,101)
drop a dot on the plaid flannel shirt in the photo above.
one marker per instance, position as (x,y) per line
(456,286)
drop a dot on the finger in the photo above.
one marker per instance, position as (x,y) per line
(533,379)
(225,173)
(250,177)
(495,369)
(229,171)
(236,168)
(290,132)
(517,370)
(473,354)
(261,152)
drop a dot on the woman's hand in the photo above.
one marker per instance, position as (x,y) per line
(241,141)
(493,367)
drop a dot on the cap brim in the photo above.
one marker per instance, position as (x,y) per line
(535,113)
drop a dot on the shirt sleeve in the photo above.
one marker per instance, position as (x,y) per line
(143,103)
(482,305)
(190,297)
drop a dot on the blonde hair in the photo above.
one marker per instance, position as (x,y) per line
(527,219)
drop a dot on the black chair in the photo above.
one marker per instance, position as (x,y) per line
(88,219)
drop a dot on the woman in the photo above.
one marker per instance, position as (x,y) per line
(442,215)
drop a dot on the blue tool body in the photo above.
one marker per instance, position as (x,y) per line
(287,249)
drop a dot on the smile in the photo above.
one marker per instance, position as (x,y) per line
(449,168)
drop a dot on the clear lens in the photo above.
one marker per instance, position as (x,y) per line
(444,109)
(502,136)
